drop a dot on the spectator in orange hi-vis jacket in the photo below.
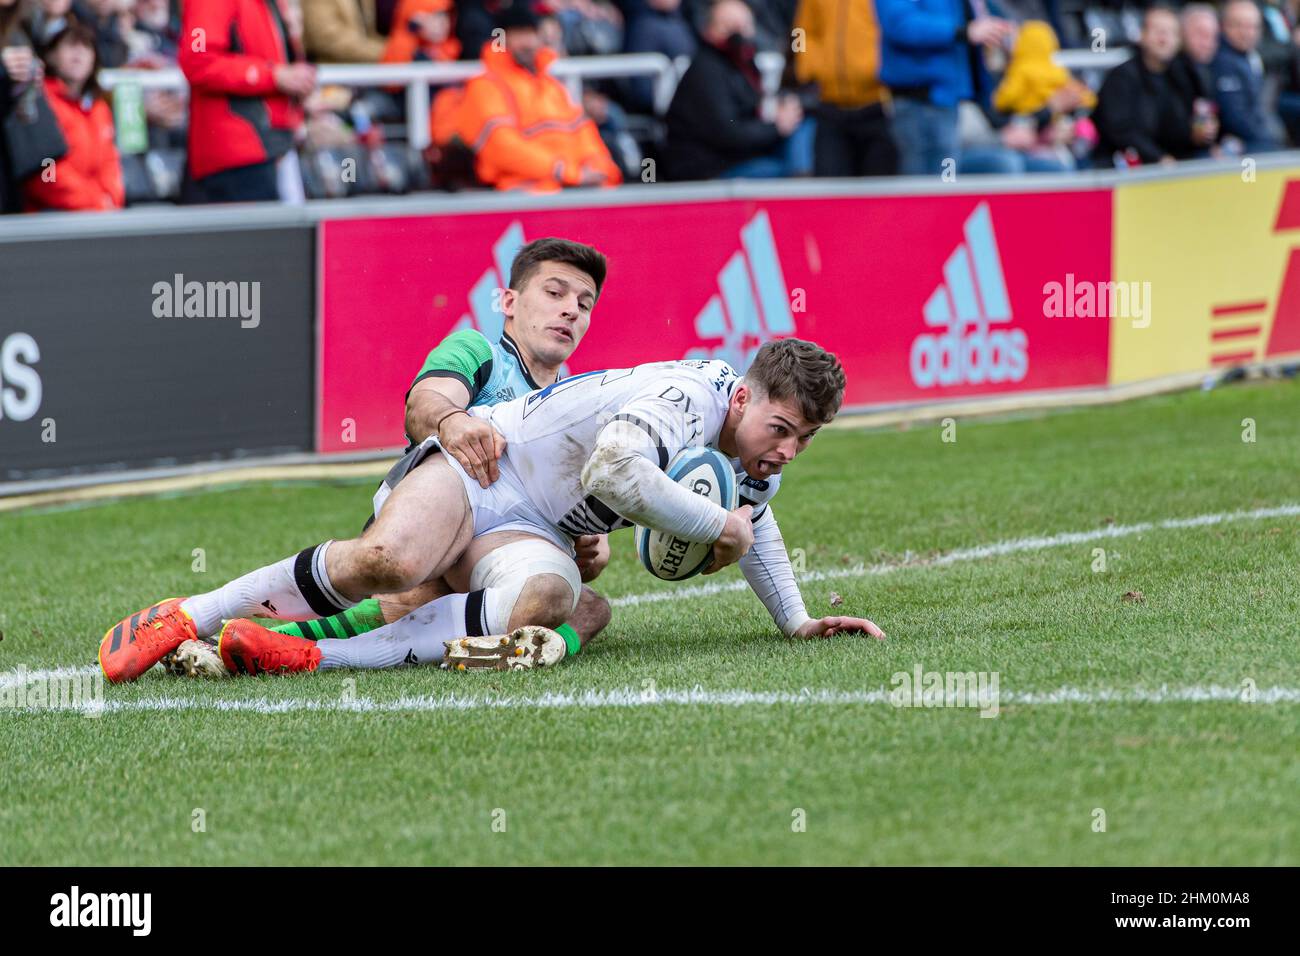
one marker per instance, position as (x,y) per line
(421,33)
(520,123)
(89,176)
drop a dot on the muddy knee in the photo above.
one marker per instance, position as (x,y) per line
(381,569)
(546,600)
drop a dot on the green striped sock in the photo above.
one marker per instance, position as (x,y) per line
(366,616)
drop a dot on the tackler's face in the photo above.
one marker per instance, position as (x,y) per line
(770,432)
(552,312)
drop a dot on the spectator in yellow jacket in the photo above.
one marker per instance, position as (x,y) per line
(1033,78)
(837,46)
(341,31)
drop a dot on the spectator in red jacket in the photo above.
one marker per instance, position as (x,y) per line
(248,81)
(89,176)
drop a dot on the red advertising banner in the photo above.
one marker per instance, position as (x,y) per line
(922,297)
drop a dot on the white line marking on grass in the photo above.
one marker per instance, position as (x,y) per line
(998,549)
(625,697)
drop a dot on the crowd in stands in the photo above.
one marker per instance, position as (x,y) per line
(870,88)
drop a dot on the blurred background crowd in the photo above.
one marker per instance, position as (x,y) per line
(861,88)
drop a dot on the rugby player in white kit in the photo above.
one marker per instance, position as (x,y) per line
(583,456)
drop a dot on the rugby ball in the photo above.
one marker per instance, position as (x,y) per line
(706,472)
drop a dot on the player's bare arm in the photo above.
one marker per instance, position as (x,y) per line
(437,406)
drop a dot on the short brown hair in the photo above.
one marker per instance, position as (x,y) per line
(804,371)
(530,257)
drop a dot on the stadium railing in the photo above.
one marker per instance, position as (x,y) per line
(771,65)
(417,78)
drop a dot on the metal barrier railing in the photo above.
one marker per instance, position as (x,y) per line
(1087,60)
(416,78)
(771,65)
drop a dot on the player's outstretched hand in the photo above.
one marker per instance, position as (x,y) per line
(475,444)
(592,555)
(737,538)
(830,626)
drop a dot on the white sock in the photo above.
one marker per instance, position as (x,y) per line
(295,589)
(416,638)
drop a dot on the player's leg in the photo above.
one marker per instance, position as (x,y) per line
(199,658)
(424,525)
(367,615)
(516,579)
(590,617)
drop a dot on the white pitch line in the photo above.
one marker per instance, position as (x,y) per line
(978,553)
(626,697)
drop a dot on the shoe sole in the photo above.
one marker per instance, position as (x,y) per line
(524,648)
(195,659)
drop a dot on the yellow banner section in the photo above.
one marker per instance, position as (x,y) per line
(1212,260)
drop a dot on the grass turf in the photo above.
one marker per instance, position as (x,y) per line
(1179,782)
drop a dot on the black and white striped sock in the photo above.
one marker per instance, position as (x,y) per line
(294,589)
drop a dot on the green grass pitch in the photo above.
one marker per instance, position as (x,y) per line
(657,744)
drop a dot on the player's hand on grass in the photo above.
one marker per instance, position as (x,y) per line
(593,555)
(475,444)
(737,538)
(830,626)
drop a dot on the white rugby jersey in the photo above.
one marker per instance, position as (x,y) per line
(550,434)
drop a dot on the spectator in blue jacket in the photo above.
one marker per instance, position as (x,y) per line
(1239,78)
(929,60)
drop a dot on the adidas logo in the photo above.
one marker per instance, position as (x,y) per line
(410,657)
(484,296)
(972,297)
(753,305)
